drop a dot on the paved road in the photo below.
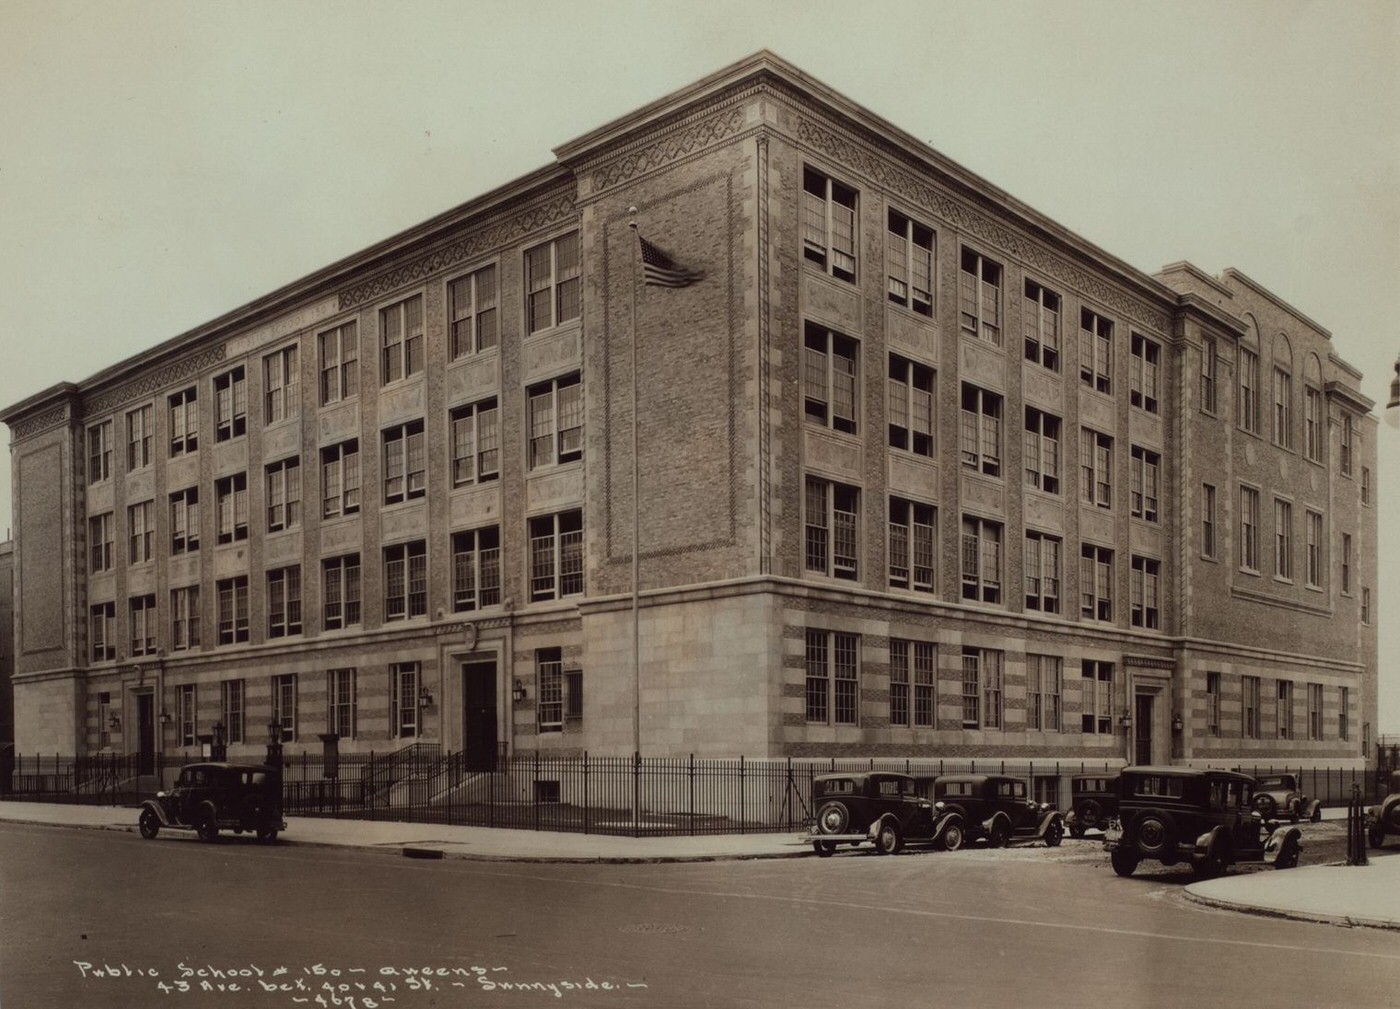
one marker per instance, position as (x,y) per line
(978,928)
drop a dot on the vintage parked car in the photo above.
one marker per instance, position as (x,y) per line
(998,808)
(1279,795)
(1093,800)
(882,807)
(1204,817)
(1384,817)
(211,797)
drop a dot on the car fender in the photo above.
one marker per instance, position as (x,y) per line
(1274,845)
(943,822)
(988,823)
(156,807)
(1310,808)
(1048,819)
(880,821)
(1217,843)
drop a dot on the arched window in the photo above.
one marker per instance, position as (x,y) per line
(1314,415)
(1283,392)
(1247,375)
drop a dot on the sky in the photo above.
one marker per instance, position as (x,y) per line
(163,163)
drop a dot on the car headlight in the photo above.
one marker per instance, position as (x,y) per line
(938,806)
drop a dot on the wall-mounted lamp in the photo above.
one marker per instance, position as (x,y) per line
(165,718)
(115,722)
(1125,720)
(274,731)
(1177,724)
(425,697)
(518,691)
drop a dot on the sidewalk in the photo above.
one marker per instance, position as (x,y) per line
(1336,894)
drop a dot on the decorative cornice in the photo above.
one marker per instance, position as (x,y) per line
(45,421)
(173,372)
(1349,396)
(491,235)
(836,144)
(683,140)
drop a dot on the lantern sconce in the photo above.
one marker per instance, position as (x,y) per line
(425,697)
(517,692)
(1177,724)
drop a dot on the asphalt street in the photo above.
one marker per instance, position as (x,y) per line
(98,918)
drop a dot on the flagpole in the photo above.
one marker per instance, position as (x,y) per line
(636,539)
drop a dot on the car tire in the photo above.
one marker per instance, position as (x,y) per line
(1124,860)
(267,835)
(1076,830)
(1316,814)
(952,837)
(1390,812)
(149,824)
(1155,835)
(1287,854)
(1054,834)
(207,827)
(1090,815)
(1376,835)
(1266,805)
(824,849)
(998,835)
(833,818)
(888,840)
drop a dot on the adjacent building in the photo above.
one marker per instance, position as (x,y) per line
(910,470)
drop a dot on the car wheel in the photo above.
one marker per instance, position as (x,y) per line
(1376,835)
(824,849)
(1054,834)
(1391,813)
(1154,835)
(1287,854)
(888,840)
(267,835)
(1266,805)
(1090,815)
(1124,861)
(149,824)
(833,818)
(952,838)
(1316,814)
(206,827)
(996,837)
(1076,831)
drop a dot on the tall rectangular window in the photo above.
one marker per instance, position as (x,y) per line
(832,528)
(980,430)
(1365,485)
(981,560)
(1312,422)
(476,569)
(1213,704)
(1315,711)
(1041,563)
(184,521)
(231,710)
(1146,467)
(829,378)
(1343,713)
(1365,605)
(1348,443)
(230,405)
(140,430)
(1284,710)
(1095,582)
(184,422)
(141,532)
(404,680)
(909,400)
(1249,529)
(471,312)
(1249,390)
(554,414)
(899,682)
(405,462)
(1041,450)
(186,719)
(101,543)
(284,601)
(283,485)
(909,262)
(1249,706)
(1096,697)
(233,609)
(231,507)
(916,661)
(1283,408)
(1040,315)
(1209,384)
(476,443)
(829,224)
(1314,544)
(401,340)
(1146,577)
(979,297)
(406,580)
(102,631)
(341,702)
(982,688)
(340,479)
(281,385)
(284,706)
(1044,675)
(1283,539)
(1095,468)
(913,532)
(1346,564)
(340,590)
(833,678)
(556,556)
(143,625)
(184,618)
(1208,521)
(99,444)
(1147,364)
(553,283)
(340,362)
(1095,351)
(549,680)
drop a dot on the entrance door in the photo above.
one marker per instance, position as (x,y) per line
(146,733)
(1142,730)
(479,715)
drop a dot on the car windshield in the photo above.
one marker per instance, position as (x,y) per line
(1229,794)
(192,777)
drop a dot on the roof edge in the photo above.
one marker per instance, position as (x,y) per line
(1234,274)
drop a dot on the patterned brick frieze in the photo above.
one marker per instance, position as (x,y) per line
(166,375)
(39,424)
(687,139)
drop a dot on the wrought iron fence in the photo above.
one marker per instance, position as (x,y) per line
(588,794)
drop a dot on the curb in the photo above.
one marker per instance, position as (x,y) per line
(1340,920)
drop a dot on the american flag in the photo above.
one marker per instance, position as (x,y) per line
(660,270)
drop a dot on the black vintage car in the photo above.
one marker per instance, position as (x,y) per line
(1279,795)
(881,807)
(1204,817)
(997,807)
(211,797)
(1384,817)
(1093,801)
